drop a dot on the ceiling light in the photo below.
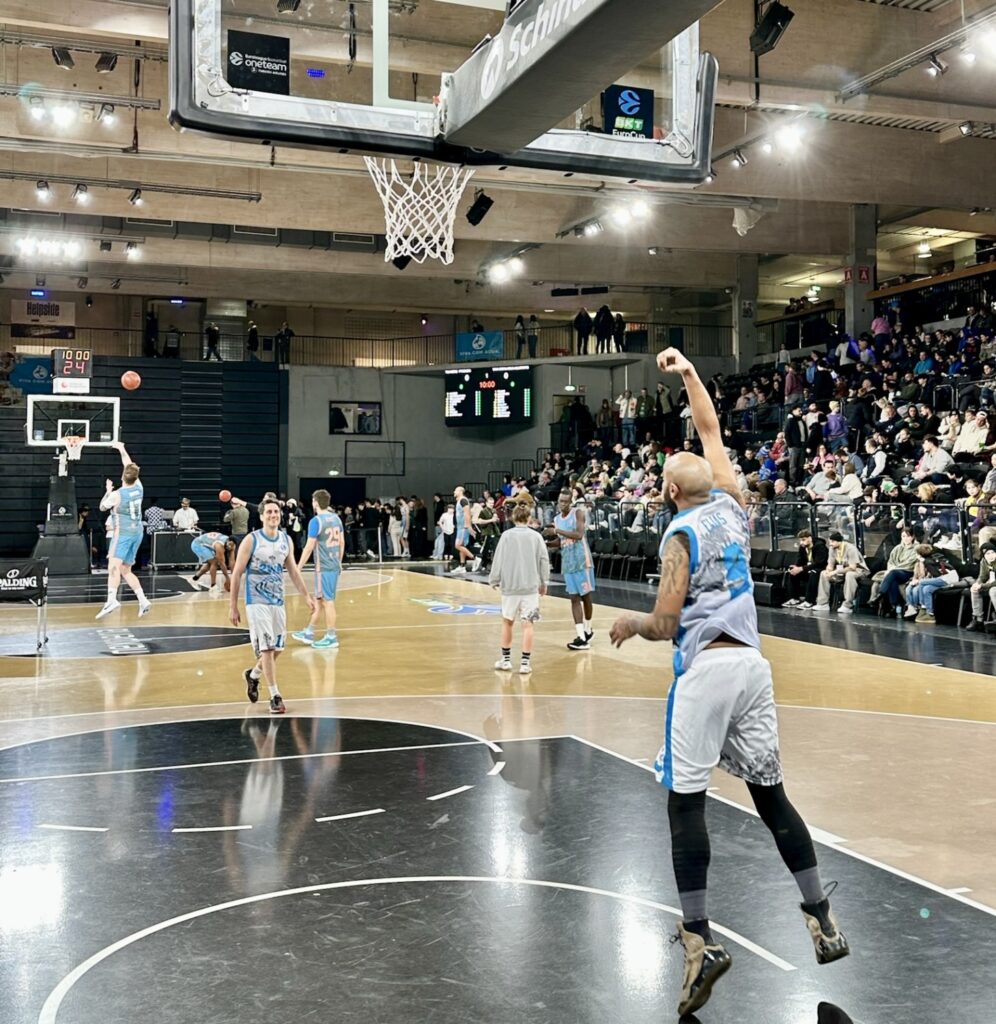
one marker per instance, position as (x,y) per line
(769,28)
(116,284)
(106,62)
(967,54)
(515,265)
(640,208)
(36,108)
(81,194)
(43,192)
(592,228)
(936,66)
(132,251)
(498,273)
(64,114)
(923,249)
(136,197)
(621,216)
(766,147)
(71,249)
(63,58)
(105,246)
(479,208)
(549,311)
(652,251)
(106,114)
(789,137)
(287,6)
(739,159)
(711,176)
(965,128)
(81,283)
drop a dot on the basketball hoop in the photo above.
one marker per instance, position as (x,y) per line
(419,212)
(73,446)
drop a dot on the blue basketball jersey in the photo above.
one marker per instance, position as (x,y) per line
(127,517)
(574,554)
(265,571)
(463,514)
(326,530)
(720,590)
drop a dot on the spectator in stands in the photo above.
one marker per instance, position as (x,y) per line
(989,484)
(984,586)
(212,336)
(602,325)
(283,339)
(898,570)
(950,429)
(881,331)
(185,517)
(973,443)
(934,462)
(626,404)
(795,440)
(532,335)
(582,327)
(820,483)
(932,572)
(619,332)
(519,330)
(795,388)
(444,539)
(925,364)
(845,565)
(252,341)
(847,488)
(155,517)
(836,428)
(644,412)
(804,575)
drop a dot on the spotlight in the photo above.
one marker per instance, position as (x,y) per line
(136,197)
(287,6)
(766,147)
(39,281)
(965,128)
(36,108)
(621,216)
(424,319)
(81,283)
(479,208)
(936,67)
(81,194)
(739,159)
(640,208)
(116,284)
(105,246)
(498,273)
(105,113)
(64,115)
(63,58)
(592,228)
(43,192)
(89,302)
(770,28)
(401,261)
(711,176)
(967,54)
(106,62)
(132,251)
(789,137)
(70,250)
(653,250)
(515,265)
(923,249)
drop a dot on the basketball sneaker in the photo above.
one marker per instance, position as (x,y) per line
(504,664)
(330,640)
(112,605)
(475,565)
(589,636)
(144,608)
(525,668)
(458,571)
(577,644)
(704,966)
(277,706)
(827,937)
(305,636)
(252,686)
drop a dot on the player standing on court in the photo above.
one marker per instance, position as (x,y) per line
(720,708)
(262,558)
(577,567)
(464,531)
(125,507)
(326,538)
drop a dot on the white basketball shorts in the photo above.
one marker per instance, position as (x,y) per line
(721,711)
(267,626)
(520,606)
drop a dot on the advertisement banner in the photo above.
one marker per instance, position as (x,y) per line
(25,375)
(42,318)
(23,579)
(482,345)
(259,62)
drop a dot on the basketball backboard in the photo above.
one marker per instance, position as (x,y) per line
(457,81)
(51,418)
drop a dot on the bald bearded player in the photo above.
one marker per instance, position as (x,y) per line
(720,708)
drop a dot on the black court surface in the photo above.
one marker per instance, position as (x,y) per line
(255,871)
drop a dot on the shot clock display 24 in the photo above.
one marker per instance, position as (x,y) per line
(72,369)
(482,397)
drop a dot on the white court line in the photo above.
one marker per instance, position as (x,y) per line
(959,890)
(242,760)
(450,792)
(216,828)
(950,893)
(74,828)
(355,814)
(50,1009)
(499,765)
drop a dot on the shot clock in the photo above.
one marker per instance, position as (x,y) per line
(72,370)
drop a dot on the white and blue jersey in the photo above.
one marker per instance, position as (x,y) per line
(126,523)
(462,523)
(265,571)
(203,544)
(720,595)
(575,557)
(326,531)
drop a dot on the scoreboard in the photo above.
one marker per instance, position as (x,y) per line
(498,395)
(72,370)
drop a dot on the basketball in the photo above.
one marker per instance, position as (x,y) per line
(225,495)
(130,380)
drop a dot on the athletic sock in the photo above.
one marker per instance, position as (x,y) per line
(526,655)
(581,631)
(308,631)
(140,593)
(587,625)
(701,928)
(506,653)
(810,885)
(273,691)
(256,673)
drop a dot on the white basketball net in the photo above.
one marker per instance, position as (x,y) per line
(419,209)
(74,447)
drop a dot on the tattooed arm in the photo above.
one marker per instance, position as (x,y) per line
(662,622)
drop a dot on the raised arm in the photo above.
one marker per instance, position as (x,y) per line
(705,419)
(123,452)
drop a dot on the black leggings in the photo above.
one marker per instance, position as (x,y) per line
(690,851)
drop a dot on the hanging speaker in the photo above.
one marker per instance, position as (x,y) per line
(770,28)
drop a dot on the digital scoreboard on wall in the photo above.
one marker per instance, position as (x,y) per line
(486,396)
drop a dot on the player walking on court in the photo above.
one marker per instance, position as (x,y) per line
(720,708)
(125,507)
(326,539)
(262,558)
(210,549)
(464,532)
(577,567)
(521,570)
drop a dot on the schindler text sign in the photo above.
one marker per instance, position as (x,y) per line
(258,62)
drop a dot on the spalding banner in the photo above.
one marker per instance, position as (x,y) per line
(23,579)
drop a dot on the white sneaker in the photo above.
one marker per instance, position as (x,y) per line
(911,612)
(525,668)
(845,609)
(821,607)
(475,565)
(110,606)
(808,605)
(458,571)
(504,665)
(794,603)
(370,554)
(144,608)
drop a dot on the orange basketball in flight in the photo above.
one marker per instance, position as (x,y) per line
(130,380)
(225,495)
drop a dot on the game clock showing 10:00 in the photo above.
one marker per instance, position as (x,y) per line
(72,362)
(484,396)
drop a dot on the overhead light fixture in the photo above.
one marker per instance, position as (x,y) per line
(36,108)
(711,176)
(63,58)
(48,249)
(640,208)
(936,67)
(106,62)
(479,207)
(770,28)
(43,192)
(64,114)
(287,6)
(136,197)
(789,137)
(621,216)
(965,128)
(424,319)
(766,147)
(176,302)
(739,159)
(106,115)
(592,228)
(967,54)
(105,246)
(515,265)
(498,273)
(116,284)
(81,194)
(132,251)
(923,249)
(39,282)
(81,283)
